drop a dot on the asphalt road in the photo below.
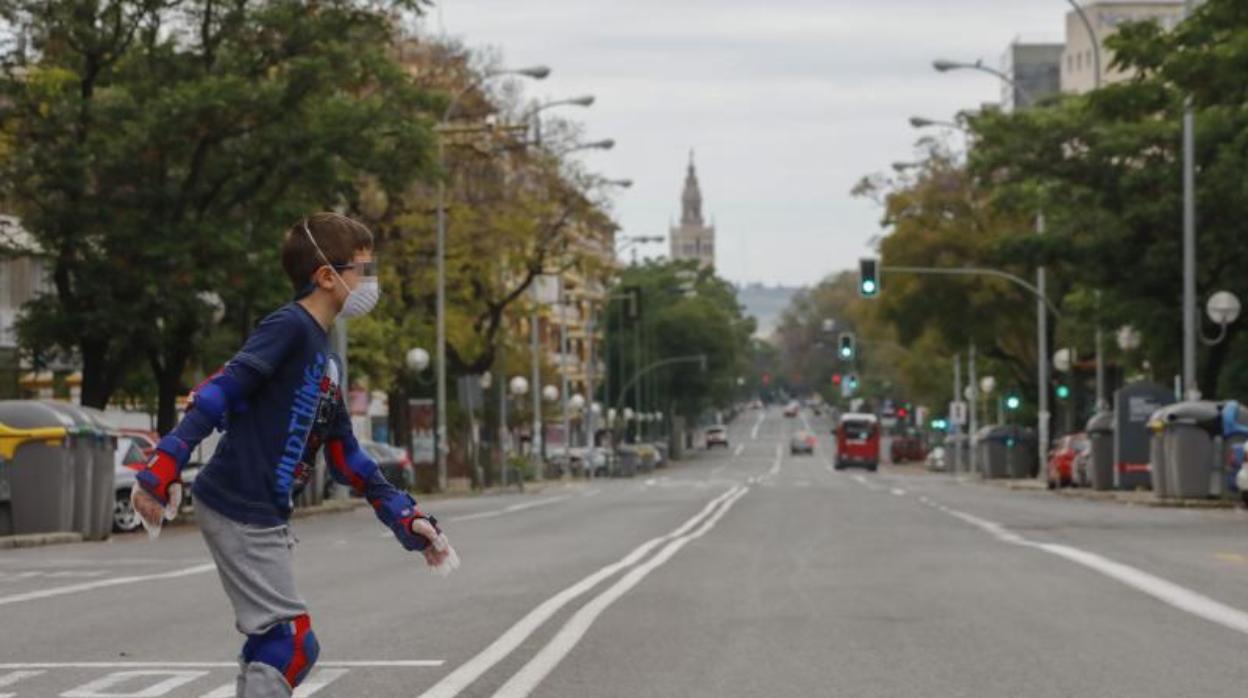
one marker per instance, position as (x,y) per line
(745,572)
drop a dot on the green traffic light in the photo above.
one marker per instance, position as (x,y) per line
(868,286)
(1013,402)
(1063,392)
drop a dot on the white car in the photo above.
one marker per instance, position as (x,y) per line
(717,436)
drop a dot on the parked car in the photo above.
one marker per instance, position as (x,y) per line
(802,442)
(394,462)
(717,436)
(1061,465)
(128,460)
(146,440)
(936,460)
(791,409)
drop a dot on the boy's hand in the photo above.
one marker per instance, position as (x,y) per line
(426,537)
(159,477)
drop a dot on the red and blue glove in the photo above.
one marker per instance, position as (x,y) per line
(399,512)
(165,468)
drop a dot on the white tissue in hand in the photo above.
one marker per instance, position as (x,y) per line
(169,514)
(451,562)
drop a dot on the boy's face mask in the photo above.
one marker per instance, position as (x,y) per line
(361,299)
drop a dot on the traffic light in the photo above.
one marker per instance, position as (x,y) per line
(1063,391)
(940,424)
(1013,402)
(902,413)
(853,382)
(868,277)
(836,379)
(846,348)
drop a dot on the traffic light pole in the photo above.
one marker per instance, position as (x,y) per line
(1042,331)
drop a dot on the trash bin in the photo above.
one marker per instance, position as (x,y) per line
(1100,431)
(40,464)
(1157,455)
(1234,439)
(1022,460)
(992,443)
(107,435)
(626,461)
(1188,443)
(93,469)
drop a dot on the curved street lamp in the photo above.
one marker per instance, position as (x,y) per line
(539,72)
(943,65)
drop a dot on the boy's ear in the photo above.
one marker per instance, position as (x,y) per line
(323,276)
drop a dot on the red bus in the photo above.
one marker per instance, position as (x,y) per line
(858,441)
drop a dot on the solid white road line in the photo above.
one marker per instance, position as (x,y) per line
(352,664)
(314,683)
(1161,589)
(761,418)
(538,668)
(13,677)
(100,584)
(474,668)
(506,510)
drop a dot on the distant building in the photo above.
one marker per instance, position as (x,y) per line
(693,238)
(1078,63)
(1035,70)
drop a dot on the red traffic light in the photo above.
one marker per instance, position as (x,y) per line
(902,412)
(836,379)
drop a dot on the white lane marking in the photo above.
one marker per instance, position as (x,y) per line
(474,668)
(13,677)
(1161,589)
(506,510)
(862,480)
(314,683)
(353,664)
(538,668)
(805,421)
(116,581)
(775,466)
(897,491)
(95,689)
(651,482)
(591,493)
(738,450)
(754,432)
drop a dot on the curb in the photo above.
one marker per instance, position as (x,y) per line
(35,540)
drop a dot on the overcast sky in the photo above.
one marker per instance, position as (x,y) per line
(787,103)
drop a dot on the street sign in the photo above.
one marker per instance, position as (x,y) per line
(958,413)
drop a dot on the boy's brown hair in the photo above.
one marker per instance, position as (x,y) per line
(338,236)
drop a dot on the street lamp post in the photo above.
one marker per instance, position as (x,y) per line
(1190,389)
(944,66)
(535,317)
(440,445)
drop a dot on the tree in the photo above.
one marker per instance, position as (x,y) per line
(683,312)
(158,150)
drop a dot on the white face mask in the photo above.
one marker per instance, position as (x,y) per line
(360,300)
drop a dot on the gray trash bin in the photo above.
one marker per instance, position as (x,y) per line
(992,443)
(1157,455)
(1100,431)
(626,461)
(83,438)
(1189,449)
(106,437)
(39,460)
(1022,461)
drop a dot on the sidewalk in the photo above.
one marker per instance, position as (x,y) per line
(331,506)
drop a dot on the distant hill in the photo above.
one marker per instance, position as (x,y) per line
(766,304)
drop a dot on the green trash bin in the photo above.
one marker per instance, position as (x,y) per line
(81,440)
(39,461)
(105,450)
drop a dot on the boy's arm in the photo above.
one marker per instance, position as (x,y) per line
(213,400)
(350,465)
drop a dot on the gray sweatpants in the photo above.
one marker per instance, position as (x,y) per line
(256,568)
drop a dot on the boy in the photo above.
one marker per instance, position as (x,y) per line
(278,401)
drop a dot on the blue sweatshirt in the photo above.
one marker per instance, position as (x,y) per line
(289,403)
